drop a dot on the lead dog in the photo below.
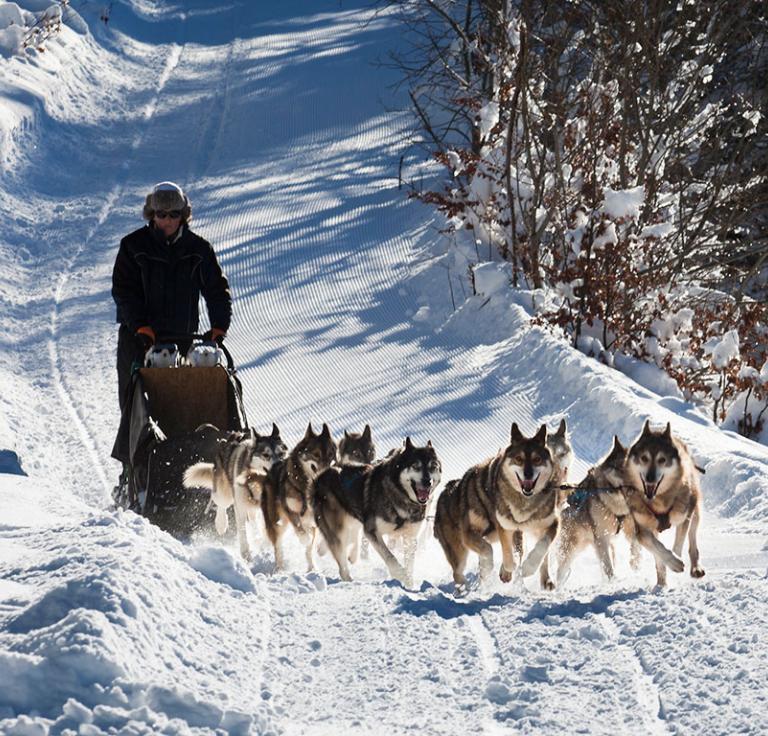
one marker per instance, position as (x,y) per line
(235,478)
(663,492)
(287,494)
(499,499)
(389,498)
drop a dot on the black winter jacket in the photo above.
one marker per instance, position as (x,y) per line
(159,284)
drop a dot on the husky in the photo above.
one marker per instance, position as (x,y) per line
(559,445)
(287,495)
(498,499)
(162,355)
(390,497)
(203,355)
(663,491)
(235,478)
(596,512)
(357,449)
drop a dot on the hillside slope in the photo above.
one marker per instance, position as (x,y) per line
(277,120)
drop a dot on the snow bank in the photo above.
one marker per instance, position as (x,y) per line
(491,278)
(116,627)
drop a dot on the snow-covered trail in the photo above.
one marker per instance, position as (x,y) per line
(271,116)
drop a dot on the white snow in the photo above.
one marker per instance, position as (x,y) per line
(723,348)
(626,203)
(274,119)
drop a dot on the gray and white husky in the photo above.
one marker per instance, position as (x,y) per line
(596,513)
(389,498)
(559,445)
(236,477)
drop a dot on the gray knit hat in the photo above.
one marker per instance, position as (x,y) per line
(167,196)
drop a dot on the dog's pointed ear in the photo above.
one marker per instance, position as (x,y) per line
(408,444)
(541,435)
(367,432)
(275,430)
(646,427)
(310,432)
(346,435)
(515,433)
(429,443)
(326,431)
(668,431)
(562,429)
(617,446)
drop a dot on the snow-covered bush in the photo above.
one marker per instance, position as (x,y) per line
(607,160)
(28,24)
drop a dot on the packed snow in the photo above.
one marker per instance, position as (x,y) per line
(351,307)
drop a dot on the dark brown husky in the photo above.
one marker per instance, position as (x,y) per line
(286,496)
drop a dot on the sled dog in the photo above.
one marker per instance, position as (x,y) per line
(663,491)
(559,445)
(355,451)
(357,448)
(235,478)
(595,513)
(162,355)
(499,499)
(389,498)
(287,496)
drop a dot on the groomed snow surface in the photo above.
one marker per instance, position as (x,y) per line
(284,130)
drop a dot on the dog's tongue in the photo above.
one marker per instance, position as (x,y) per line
(422,494)
(650,489)
(528,485)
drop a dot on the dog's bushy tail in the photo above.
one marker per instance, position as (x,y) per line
(199,475)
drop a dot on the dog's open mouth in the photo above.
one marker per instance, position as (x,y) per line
(527,485)
(422,492)
(650,489)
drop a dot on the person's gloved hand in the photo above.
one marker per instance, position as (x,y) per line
(145,338)
(215,335)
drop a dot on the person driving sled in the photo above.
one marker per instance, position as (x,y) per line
(160,272)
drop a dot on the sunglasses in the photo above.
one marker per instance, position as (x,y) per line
(162,214)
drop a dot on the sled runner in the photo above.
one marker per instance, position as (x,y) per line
(173,418)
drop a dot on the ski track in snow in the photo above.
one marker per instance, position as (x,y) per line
(651,712)
(268,114)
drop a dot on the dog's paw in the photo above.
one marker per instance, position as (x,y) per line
(697,572)
(398,572)
(676,564)
(547,584)
(505,575)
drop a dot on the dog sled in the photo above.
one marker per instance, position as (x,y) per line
(173,418)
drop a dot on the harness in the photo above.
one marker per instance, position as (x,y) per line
(577,497)
(349,475)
